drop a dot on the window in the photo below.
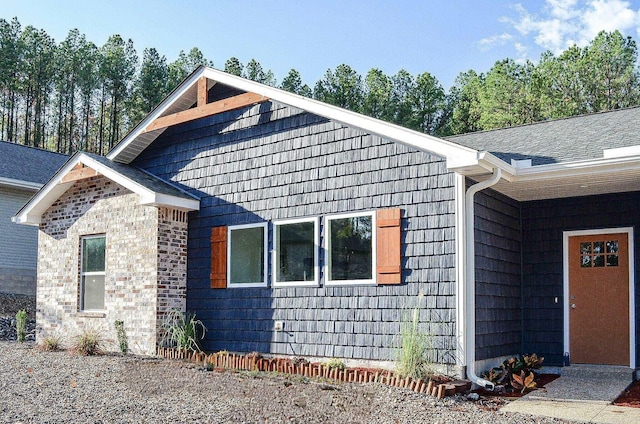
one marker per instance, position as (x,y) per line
(92,273)
(295,258)
(247,259)
(599,254)
(350,249)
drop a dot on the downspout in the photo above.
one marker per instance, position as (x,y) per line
(470,278)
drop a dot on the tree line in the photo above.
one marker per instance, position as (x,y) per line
(74,95)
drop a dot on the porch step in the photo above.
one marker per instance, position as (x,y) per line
(597,372)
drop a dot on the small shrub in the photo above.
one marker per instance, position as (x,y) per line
(335,363)
(21,325)
(88,343)
(183,331)
(123,342)
(51,344)
(516,372)
(412,359)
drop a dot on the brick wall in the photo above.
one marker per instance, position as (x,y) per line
(137,266)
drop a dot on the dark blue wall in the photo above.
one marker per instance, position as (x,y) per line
(270,162)
(498,276)
(543,223)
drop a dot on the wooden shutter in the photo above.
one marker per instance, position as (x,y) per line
(388,267)
(219,257)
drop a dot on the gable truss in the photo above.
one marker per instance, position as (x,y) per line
(204,109)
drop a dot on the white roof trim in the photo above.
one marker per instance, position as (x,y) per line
(11,182)
(488,161)
(31,213)
(454,153)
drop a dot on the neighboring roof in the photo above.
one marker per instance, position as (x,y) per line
(185,96)
(151,189)
(569,139)
(27,167)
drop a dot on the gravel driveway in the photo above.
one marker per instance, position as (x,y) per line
(57,387)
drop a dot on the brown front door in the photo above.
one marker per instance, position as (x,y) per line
(599,299)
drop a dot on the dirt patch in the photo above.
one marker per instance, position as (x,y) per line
(630,397)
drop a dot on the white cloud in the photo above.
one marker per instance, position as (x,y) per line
(558,24)
(496,40)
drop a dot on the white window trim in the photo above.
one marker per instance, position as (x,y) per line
(83,274)
(327,250)
(316,254)
(231,228)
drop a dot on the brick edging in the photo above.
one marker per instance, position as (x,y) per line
(226,360)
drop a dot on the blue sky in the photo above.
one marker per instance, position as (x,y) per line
(443,38)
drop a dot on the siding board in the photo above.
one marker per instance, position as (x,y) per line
(272,161)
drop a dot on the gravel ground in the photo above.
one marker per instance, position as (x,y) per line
(58,387)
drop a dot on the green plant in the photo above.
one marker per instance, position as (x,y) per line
(123,342)
(512,368)
(335,363)
(51,344)
(523,381)
(412,358)
(88,343)
(183,331)
(21,325)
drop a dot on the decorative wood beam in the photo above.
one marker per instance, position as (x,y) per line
(224,105)
(79,172)
(203,94)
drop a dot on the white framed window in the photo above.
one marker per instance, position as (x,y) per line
(350,245)
(92,272)
(296,251)
(247,255)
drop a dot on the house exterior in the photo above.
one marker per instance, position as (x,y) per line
(23,170)
(293,227)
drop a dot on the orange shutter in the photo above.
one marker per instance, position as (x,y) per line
(388,246)
(219,257)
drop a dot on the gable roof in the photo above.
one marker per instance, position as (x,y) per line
(580,156)
(27,167)
(185,96)
(151,189)
(562,140)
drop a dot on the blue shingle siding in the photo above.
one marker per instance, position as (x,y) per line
(498,276)
(272,161)
(543,223)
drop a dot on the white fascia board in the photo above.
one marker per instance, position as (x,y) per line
(510,173)
(162,107)
(11,182)
(418,140)
(147,196)
(577,168)
(173,201)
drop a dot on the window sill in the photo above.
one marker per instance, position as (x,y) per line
(88,314)
(350,283)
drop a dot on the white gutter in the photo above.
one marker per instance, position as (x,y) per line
(470,279)
(11,182)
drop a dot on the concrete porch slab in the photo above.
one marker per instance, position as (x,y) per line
(582,393)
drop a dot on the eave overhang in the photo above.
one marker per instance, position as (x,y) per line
(558,180)
(76,168)
(21,184)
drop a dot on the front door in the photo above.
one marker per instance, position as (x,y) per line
(599,299)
